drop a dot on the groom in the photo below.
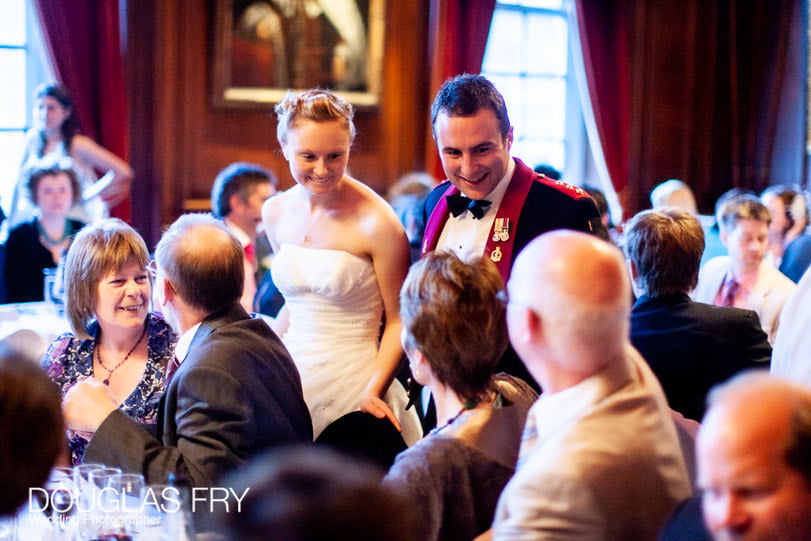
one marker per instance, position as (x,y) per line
(492,204)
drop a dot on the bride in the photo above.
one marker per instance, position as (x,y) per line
(341,257)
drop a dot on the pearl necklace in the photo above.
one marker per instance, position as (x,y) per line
(110,371)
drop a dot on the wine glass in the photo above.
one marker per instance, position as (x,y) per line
(81,474)
(89,482)
(128,489)
(162,505)
(99,477)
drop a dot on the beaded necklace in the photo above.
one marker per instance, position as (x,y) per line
(110,371)
(48,240)
(468,405)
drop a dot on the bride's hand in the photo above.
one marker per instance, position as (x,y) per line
(374,405)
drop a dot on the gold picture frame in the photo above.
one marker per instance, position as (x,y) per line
(265,48)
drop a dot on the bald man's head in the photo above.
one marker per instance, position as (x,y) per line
(674,193)
(203,261)
(754,459)
(577,286)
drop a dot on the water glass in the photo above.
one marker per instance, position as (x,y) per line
(62,506)
(51,294)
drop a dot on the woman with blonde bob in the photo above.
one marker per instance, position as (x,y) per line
(341,256)
(454,333)
(116,338)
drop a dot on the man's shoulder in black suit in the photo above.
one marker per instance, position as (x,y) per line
(691,346)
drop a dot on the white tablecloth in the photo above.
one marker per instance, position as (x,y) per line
(31,326)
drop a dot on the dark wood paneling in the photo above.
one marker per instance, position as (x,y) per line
(180,141)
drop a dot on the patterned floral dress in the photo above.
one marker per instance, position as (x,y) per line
(69,359)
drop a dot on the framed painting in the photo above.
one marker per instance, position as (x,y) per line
(265,48)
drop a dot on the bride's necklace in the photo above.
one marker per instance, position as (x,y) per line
(48,240)
(110,371)
(306,239)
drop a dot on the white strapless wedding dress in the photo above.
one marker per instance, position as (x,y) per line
(335,315)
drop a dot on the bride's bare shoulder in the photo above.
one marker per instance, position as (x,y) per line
(276,205)
(374,214)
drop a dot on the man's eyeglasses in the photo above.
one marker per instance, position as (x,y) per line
(503,297)
(152,269)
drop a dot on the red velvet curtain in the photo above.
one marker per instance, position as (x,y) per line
(84,41)
(708,91)
(458,37)
(602,32)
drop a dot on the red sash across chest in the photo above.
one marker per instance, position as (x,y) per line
(501,239)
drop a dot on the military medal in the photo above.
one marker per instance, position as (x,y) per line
(501,230)
(495,255)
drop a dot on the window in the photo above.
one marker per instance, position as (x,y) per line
(23,66)
(528,59)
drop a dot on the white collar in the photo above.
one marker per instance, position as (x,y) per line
(557,410)
(497,193)
(243,238)
(183,343)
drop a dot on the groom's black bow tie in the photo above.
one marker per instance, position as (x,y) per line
(459,203)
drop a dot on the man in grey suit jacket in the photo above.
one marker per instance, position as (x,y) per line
(235,391)
(599,457)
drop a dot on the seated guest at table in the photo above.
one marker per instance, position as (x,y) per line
(690,346)
(753,460)
(609,232)
(30,428)
(237,196)
(407,196)
(744,279)
(713,247)
(116,340)
(674,193)
(233,390)
(454,334)
(600,458)
(789,245)
(311,493)
(34,246)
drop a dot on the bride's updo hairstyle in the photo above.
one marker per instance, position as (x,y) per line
(316,105)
